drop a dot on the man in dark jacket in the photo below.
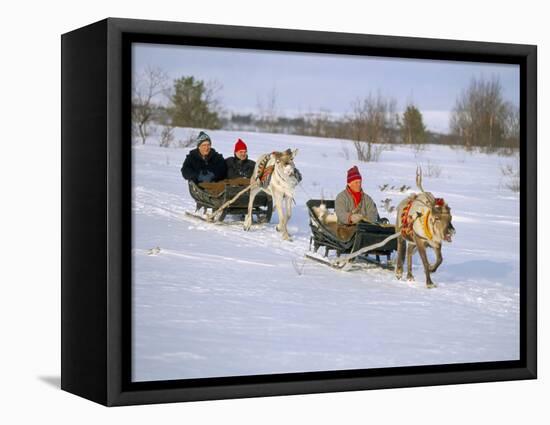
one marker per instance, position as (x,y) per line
(204,164)
(239,165)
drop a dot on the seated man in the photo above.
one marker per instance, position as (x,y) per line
(239,165)
(352,205)
(203,164)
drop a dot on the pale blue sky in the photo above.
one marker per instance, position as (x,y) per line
(308,82)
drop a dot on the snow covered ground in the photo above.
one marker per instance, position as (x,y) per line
(218,301)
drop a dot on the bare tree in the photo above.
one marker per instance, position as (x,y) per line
(371,124)
(511,125)
(481,117)
(212,97)
(268,110)
(511,175)
(147,86)
(166,136)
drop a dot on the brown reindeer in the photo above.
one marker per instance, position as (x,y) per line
(424,221)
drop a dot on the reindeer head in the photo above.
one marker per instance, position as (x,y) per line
(441,219)
(440,214)
(285,162)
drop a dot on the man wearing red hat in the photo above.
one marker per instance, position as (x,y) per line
(352,204)
(239,165)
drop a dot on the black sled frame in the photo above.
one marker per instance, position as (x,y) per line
(365,235)
(262,208)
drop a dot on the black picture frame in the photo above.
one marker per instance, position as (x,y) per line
(96,187)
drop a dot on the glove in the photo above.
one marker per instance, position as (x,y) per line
(205,177)
(355,218)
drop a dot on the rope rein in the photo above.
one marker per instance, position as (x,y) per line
(257,182)
(215,214)
(345,259)
(341,262)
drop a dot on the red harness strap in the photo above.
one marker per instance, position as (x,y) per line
(261,168)
(406,222)
(266,173)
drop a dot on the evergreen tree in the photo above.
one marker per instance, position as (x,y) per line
(193,104)
(413,130)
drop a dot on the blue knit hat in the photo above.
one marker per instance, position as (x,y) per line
(203,137)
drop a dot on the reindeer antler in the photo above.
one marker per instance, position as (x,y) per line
(419,178)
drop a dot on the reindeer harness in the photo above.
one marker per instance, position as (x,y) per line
(407,221)
(264,173)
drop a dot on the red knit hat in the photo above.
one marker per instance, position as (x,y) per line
(240,146)
(353,174)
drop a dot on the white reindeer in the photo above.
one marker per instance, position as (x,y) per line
(276,175)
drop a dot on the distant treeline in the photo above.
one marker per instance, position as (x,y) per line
(326,126)
(481,117)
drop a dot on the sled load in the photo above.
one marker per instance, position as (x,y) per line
(211,196)
(328,234)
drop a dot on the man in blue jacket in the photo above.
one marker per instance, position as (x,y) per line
(204,164)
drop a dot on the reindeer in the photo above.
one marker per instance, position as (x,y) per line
(276,175)
(424,221)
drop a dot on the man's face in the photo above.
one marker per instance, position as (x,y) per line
(204,148)
(355,185)
(242,154)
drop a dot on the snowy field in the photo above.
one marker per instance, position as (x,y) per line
(218,301)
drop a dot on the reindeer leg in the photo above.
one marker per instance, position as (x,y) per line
(281,226)
(424,257)
(278,207)
(288,213)
(401,246)
(410,251)
(438,259)
(248,219)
